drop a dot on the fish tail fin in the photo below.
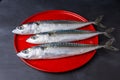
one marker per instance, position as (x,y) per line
(108,31)
(98,20)
(108,45)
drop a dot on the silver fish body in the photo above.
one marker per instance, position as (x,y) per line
(46,26)
(60,50)
(65,36)
(56,50)
(52,25)
(62,36)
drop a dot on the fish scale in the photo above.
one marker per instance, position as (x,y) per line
(64,44)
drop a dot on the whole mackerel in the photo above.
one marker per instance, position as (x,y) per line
(60,50)
(53,25)
(65,36)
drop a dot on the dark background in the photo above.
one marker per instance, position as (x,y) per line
(104,66)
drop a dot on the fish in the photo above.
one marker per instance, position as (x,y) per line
(53,25)
(65,36)
(61,50)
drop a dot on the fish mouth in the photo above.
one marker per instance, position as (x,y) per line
(29,40)
(15,31)
(21,55)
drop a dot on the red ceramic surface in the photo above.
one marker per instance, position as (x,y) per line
(62,64)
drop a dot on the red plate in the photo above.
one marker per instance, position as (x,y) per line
(56,65)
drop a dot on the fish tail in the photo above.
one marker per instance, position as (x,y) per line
(108,45)
(98,20)
(108,31)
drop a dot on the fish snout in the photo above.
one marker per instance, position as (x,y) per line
(30,40)
(20,55)
(14,31)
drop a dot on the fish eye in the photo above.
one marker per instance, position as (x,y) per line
(27,56)
(37,23)
(34,37)
(25,51)
(20,28)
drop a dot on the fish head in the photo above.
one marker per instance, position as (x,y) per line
(23,29)
(26,54)
(33,39)
(38,38)
(31,53)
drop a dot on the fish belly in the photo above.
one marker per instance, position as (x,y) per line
(56,52)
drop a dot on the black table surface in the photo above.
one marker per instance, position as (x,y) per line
(105,65)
